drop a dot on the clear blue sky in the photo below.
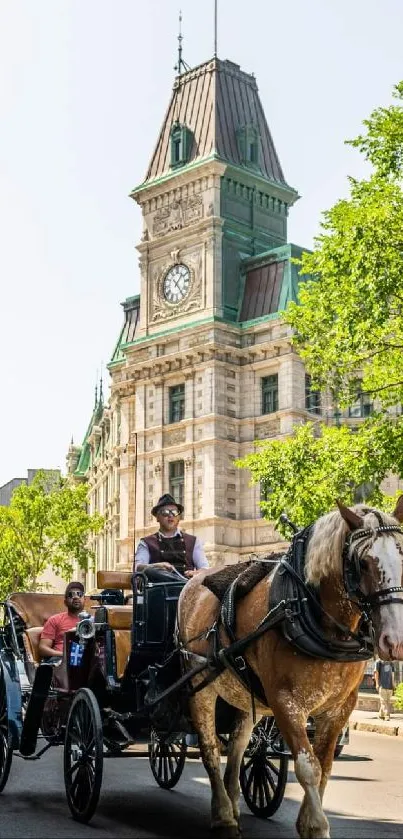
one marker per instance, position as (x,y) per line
(84,87)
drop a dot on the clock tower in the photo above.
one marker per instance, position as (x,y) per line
(214,194)
(203,366)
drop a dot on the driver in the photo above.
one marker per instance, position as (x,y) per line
(52,635)
(170,549)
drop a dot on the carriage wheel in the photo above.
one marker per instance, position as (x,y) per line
(6,750)
(83,755)
(167,759)
(263,774)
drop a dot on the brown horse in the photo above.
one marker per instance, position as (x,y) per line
(295,685)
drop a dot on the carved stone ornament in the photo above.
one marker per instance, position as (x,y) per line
(159,308)
(175,437)
(268,429)
(180,213)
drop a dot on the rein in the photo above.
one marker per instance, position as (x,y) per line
(288,609)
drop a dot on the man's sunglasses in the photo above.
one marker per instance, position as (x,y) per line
(167,513)
(75,593)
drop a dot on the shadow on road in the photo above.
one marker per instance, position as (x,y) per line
(180,818)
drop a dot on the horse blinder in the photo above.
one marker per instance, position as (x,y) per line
(354,565)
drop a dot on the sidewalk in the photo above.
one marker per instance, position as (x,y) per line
(369,721)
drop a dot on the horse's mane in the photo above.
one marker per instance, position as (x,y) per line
(324,552)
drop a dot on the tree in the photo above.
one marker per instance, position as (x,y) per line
(303,474)
(46,525)
(348,329)
(349,320)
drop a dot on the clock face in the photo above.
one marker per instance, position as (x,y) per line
(176,283)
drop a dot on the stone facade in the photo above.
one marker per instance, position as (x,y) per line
(212,345)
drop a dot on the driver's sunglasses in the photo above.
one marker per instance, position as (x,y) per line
(167,513)
(75,593)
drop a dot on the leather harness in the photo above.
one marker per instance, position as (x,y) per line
(295,609)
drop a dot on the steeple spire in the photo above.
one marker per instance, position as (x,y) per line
(181,65)
(215,28)
(101,390)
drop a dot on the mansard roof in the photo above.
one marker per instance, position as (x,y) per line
(271,282)
(85,453)
(131,308)
(214,101)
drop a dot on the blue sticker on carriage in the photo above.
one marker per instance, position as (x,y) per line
(76,654)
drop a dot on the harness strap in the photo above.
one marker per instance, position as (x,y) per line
(231,657)
(344,629)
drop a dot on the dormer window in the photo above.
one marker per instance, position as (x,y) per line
(181,143)
(252,154)
(249,145)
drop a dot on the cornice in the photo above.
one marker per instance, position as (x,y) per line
(178,178)
(166,368)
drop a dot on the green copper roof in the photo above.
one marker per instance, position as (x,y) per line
(84,461)
(216,102)
(270,281)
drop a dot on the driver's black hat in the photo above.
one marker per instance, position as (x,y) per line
(163,501)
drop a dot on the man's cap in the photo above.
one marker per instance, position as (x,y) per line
(163,501)
(74,585)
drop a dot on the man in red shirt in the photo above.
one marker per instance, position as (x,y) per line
(52,635)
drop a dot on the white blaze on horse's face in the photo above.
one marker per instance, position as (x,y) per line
(390,617)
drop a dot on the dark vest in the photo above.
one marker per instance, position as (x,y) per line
(178,550)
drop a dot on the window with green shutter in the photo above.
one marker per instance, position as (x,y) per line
(270,394)
(176,403)
(177,480)
(181,145)
(312,397)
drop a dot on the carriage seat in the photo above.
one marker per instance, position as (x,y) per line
(117,617)
(31,640)
(34,608)
(115,580)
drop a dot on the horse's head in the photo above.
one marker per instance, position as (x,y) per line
(373,572)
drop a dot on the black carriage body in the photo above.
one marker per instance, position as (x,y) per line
(111,700)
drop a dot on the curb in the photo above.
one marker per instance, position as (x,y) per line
(375,728)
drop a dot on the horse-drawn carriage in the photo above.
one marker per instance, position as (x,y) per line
(101,699)
(288,640)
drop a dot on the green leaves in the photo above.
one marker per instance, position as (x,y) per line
(46,525)
(350,319)
(304,474)
(348,328)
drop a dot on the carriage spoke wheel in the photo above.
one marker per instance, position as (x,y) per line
(6,751)
(83,755)
(167,759)
(263,774)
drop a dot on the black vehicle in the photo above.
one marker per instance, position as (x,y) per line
(119,682)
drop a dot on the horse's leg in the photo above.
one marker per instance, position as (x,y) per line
(311,822)
(238,741)
(327,729)
(202,710)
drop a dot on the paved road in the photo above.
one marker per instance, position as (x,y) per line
(364,799)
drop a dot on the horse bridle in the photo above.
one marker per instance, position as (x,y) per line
(352,557)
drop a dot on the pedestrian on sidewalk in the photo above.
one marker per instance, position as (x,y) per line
(385,685)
